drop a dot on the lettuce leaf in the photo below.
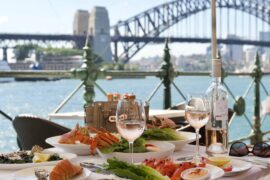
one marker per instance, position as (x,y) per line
(165,134)
(133,172)
(138,147)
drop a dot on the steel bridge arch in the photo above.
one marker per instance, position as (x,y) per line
(154,21)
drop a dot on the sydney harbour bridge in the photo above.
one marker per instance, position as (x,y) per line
(183,21)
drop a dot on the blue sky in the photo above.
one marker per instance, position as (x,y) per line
(56,17)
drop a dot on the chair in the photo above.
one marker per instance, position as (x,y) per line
(32,130)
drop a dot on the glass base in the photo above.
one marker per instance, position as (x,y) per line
(216,148)
(197,160)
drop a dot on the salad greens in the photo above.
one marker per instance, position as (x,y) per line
(165,134)
(138,147)
(132,171)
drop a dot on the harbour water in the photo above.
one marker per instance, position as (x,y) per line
(41,98)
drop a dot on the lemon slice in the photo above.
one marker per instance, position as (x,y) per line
(219,160)
(39,157)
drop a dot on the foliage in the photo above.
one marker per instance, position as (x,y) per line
(50,51)
(23,51)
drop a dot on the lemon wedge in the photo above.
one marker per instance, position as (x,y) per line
(219,160)
(40,157)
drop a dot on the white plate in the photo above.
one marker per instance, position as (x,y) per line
(215,172)
(29,173)
(238,167)
(189,137)
(165,149)
(79,149)
(68,156)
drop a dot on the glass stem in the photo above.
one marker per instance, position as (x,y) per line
(131,150)
(197,155)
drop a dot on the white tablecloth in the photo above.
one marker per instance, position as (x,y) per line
(254,173)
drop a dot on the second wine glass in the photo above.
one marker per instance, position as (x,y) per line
(197,114)
(130,120)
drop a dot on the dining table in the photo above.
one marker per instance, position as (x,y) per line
(254,173)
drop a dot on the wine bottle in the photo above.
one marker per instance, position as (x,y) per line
(217,126)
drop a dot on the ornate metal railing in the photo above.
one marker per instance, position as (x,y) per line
(90,72)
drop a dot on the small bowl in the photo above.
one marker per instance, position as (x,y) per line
(219,161)
(186,175)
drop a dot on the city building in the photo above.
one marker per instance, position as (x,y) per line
(234,53)
(250,55)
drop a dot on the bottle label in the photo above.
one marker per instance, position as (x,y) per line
(219,118)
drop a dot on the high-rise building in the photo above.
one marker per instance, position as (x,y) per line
(250,54)
(265,36)
(234,52)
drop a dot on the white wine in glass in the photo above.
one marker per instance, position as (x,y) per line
(130,120)
(197,114)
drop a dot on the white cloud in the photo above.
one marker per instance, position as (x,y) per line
(3,19)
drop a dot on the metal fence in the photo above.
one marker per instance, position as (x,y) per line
(90,72)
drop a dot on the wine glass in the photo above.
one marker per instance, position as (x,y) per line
(130,120)
(197,114)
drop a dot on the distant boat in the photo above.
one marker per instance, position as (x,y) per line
(109,77)
(4,66)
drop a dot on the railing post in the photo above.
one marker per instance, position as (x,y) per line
(168,76)
(88,73)
(257,75)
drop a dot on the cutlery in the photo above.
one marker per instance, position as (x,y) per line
(97,168)
(41,174)
(185,158)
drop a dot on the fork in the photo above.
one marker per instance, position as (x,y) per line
(97,168)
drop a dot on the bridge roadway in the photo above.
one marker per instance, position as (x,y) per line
(80,39)
(189,40)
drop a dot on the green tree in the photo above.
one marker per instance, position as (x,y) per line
(23,51)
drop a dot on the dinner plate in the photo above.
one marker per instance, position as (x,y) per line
(29,173)
(165,149)
(215,172)
(79,148)
(68,156)
(238,167)
(189,137)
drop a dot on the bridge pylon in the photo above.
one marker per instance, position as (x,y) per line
(99,29)
(5,55)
